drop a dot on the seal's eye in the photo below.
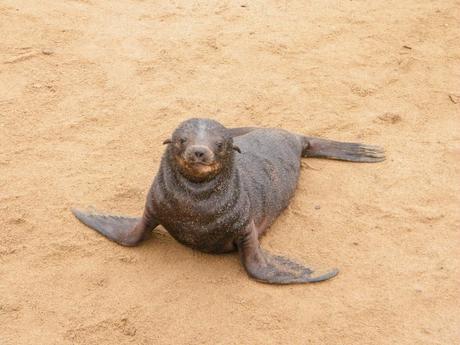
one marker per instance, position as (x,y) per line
(220,145)
(182,140)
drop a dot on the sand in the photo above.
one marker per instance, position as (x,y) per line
(90,89)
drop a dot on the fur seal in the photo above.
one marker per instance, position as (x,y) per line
(218,189)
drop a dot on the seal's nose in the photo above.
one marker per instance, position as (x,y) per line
(199,153)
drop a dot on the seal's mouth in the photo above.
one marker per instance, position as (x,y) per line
(197,168)
(197,163)
(202,166)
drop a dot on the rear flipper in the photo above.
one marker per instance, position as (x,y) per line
(126,231)
(353,152)
(323,148)
(273,269)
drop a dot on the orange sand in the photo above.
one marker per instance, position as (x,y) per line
(88,91)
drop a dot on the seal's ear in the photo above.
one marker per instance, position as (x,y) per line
(167,141)
(236,148)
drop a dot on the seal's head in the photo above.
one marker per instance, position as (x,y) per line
(201,149)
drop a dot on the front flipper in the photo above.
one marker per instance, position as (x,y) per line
(275,269)
(127,231)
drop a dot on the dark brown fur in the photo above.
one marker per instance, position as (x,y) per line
(215,200)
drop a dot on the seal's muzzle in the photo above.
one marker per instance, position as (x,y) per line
(199,154)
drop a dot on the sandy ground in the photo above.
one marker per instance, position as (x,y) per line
(90,89)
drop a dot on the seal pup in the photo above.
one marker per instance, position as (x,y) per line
(218,189)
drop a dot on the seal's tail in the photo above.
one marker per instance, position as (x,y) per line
(353,152)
